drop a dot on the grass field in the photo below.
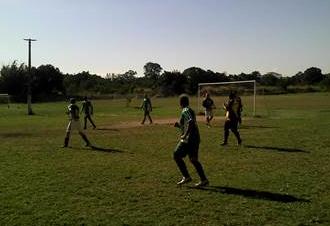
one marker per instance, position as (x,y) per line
(280,176)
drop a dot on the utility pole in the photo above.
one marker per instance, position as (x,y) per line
(29,97)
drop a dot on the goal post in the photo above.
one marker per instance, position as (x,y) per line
(200,85)
(5,99)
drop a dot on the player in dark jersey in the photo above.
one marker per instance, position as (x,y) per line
(87,108)
(208,104)
(188,144)
(232,119)
(147,108)
(74,123)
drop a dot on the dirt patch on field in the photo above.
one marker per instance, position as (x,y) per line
(165,121)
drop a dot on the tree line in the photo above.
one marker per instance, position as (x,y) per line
(49,83)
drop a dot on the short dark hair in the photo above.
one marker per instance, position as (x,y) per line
(72,100)
(184,100)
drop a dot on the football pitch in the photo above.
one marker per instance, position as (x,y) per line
(279,176)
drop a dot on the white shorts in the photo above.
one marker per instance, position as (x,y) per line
(209,113)
(73,125)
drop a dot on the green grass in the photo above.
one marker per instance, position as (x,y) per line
(279,177)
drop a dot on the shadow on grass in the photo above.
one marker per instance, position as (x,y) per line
(276,148)
(264,195)
(13,135)
(257,127)
(112,150)
(108,129)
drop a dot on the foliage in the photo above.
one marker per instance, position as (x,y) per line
(49,83)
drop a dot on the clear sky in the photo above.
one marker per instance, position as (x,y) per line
(113,36)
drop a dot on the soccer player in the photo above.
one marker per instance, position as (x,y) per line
(87,108)
(208,104)
(74,123)
(188,144)
(238,107)
(232,119)
(147,108)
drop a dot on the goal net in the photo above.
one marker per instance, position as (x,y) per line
(219,92)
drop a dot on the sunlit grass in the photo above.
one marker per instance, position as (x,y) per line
(280,176)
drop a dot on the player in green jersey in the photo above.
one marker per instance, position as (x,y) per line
(74,123)
(147,108)
(188,144)
(87,108)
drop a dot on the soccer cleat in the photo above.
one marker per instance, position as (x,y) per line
(184,180)
(224,144)
(239,143)
(202,183)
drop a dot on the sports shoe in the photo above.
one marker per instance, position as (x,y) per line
(202,183)
(184,180)
(224,144)
(239,143)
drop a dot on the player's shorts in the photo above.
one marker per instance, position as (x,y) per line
(183,149)
(209,113)
(73,125)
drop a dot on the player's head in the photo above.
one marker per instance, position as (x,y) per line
(231,95)
(207,95)
(72,100)
(184,100)
(85,98)
(145,95)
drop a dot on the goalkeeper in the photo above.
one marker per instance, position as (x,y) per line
(232,118)
(208,104)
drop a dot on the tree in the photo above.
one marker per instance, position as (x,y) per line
(152,72)
(47,81)
(14,80)
(194,76)
(312,75)
(172,83)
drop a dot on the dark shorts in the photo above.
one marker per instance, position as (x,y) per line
(184,149)
(232,125)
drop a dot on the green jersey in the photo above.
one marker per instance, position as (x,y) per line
(87,107)
(73,111)
(188,116)
(146,104)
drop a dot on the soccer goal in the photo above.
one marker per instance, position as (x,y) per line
(219,91)
(5,99)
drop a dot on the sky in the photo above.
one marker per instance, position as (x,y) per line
(114,36)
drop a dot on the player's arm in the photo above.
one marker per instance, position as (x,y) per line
(83,107)
(92,109)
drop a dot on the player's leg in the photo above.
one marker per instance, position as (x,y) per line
(144,117)
(193,157)
(226,132)
(234,129)
(84,137)
(85,121)
(149,117)
(76,125)
(179,153)
(91,121)
(67,135)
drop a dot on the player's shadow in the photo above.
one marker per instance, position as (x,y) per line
(248,193)
(109,150)
(276,148)
(108,129)
(257,127)
(15,135)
